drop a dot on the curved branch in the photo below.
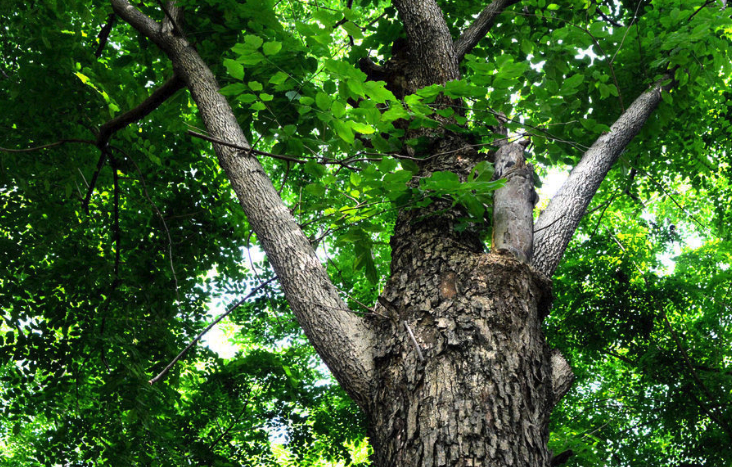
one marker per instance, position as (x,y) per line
(477,31)
(200,335)
(560,219)
(138,20)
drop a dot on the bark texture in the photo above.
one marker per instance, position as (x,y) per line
(556,225)
(431,55)
(341,338)
(477,387)
(483,392)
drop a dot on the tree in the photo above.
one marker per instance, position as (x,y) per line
(398,121)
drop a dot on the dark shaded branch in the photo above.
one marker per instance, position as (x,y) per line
(709,2)
(688,364)
(160,216)
(160,95)
(235,421)
(104,34)
(223,315)
(246,149)
(116,234)
(695,376)
(560,219)
(477,31)
(561,458)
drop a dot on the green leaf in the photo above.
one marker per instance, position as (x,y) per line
(252,42)
(441,181)
(362,128)
(314,169)
(343,130)
(234,68)
(352,30)
(233,89)
(255,85)
(247,98)
(271,48)
(323,101)
(279,77)
(338,109)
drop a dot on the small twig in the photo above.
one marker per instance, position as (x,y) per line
(414,341)
(701,8)
(47,146)
(236,420)
(627,30)
(160,216)
(244,148)
(208,328)
(117,236)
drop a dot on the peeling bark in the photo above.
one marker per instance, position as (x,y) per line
(483,394)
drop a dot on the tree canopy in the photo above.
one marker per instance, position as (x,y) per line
(120,232)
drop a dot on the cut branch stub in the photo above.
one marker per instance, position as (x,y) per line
(513,203)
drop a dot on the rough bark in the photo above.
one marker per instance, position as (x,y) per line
(557,223)
(480,27)
(340,337)
(483,392)
(513,204)
(479,388)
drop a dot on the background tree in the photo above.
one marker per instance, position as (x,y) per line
(390,138)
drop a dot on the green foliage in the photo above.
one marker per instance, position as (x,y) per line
(90,313)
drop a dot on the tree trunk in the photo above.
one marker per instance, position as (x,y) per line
(463,373)
(482,392)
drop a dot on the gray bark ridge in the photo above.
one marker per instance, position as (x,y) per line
(342,339)
(557,223)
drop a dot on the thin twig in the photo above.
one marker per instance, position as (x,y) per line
(47,146)
(208,328)
(414,341)
(160,216)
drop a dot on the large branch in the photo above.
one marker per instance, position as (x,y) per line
(341,338)
(560,219)
(477,31)
(431,54)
